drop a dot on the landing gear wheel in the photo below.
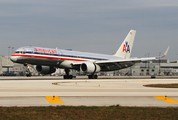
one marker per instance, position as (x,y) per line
(68,76)
(28,74)
(95,76)
(92,76)
(65,76)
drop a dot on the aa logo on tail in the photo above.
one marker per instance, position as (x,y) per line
(126,47)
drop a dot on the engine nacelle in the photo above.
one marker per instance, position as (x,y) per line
(90,68)
(45,69)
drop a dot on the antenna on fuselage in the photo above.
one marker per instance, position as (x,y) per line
(69,49)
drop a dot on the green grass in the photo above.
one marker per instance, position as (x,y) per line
(174,85)
(88,113)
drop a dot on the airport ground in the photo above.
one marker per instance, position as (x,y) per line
(112,91)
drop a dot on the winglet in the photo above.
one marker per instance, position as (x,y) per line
(164,53)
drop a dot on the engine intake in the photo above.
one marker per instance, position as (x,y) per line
(45,69)
(90,68)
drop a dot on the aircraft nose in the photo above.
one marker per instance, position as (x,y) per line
(13,58)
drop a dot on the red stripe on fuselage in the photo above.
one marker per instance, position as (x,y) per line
(46,57)
(21,55)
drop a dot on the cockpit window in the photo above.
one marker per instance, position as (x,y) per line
(17,52)
(22,52)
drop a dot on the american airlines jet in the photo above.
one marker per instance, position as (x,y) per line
(48,59)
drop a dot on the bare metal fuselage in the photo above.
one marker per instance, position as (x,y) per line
(58,57)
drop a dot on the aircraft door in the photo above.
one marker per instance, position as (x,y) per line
(59,57)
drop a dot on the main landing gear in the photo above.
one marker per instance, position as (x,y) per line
(67,76)
(92,76)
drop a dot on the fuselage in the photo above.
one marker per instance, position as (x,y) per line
(55,57)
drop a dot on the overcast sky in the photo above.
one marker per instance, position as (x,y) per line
(90,25)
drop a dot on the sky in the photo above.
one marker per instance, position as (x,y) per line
(98,26)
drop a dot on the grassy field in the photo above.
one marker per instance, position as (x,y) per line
(88,113)
(174,85)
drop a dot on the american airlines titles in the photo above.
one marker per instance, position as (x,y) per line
(46,50)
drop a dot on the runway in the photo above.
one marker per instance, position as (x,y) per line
(54,91)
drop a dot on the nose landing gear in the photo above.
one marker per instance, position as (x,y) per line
(28,73)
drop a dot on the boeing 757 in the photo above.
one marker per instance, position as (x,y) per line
(48,59)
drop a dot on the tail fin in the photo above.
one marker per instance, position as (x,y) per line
(126,47)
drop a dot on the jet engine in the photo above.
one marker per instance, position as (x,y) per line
(45,69)
(90,68)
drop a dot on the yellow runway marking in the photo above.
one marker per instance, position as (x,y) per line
(166,99)
(54,83)
(54,100)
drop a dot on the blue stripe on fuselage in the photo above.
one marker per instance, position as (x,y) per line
(62,55)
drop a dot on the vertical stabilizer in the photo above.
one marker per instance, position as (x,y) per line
(126,47)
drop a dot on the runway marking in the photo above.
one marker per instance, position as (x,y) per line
(140,80)
(166,99)
(54,83)
(54,100)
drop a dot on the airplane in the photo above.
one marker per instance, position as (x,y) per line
(48,59)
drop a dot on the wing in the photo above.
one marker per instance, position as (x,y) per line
(111,65)
(117,64)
